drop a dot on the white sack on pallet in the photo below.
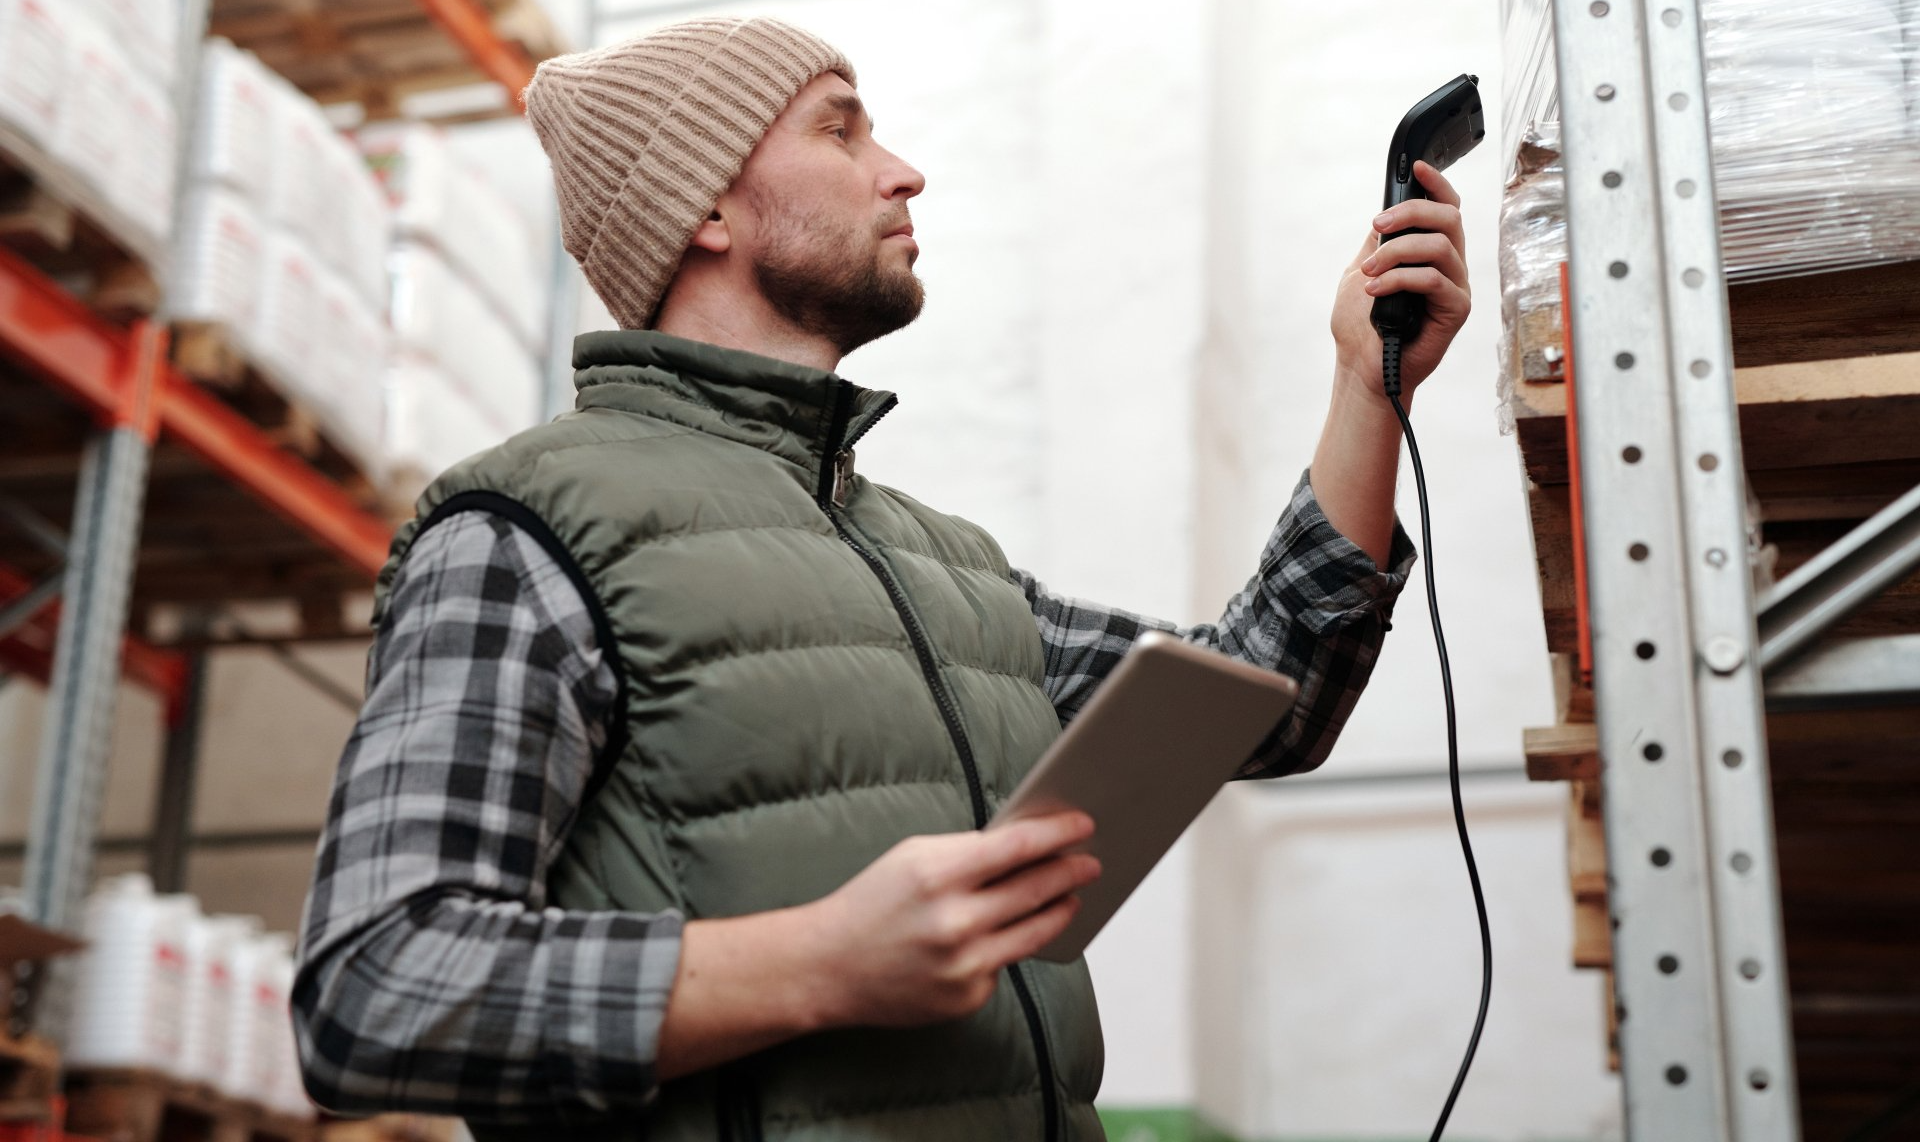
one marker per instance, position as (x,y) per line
(232,137)
(433,422)
(34,40)
(211,947)
(143,182)
(438,315)
(285,340)
(351,400)
(362,222)
(217,259)
(149,32)
(257,1019)
(92,134)
(441,201)
(130,982)
(299,196)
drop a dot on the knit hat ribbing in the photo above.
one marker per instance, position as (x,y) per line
(647,134)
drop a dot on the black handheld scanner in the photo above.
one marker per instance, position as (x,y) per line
(1439,129)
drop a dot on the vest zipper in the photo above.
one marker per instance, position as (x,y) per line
(831,473)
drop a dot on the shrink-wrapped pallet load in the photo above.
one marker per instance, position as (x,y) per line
(1816,151)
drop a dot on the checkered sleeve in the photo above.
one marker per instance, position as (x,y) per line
(433,976)
(1317,610)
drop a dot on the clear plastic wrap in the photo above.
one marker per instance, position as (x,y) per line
(1815,120)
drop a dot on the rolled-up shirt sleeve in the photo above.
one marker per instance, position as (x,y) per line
(1317,610)
(433,975)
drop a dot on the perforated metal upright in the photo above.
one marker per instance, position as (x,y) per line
(1700,973)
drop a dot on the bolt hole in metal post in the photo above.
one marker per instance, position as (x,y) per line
(1731,759)
(1685,188)
(1599,7)
(1693,278)
(1749,968)
(1677,101)
(1759,1079)
(1700,368)
(1610,180)
(1677,1074)
(1742,863)
(1708,461)
(1661,858)
(1653,751)
(1623,361)
(1631,454)
(1671,17)
(1645,650)
(1604,92)
(1669,964)
(1618,269)
(1637,553)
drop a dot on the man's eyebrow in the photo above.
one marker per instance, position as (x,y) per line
(840,103)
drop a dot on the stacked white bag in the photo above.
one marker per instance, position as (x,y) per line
(91,84)
(131,982)
(469,306)
(34,37)
(260,1062)
(202,999)
(283,243)
(441,202)
(461,380)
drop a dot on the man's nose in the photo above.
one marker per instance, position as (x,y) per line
(902,180)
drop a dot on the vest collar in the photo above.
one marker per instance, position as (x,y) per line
(804,414)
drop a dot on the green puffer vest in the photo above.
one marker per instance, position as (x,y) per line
(812,667)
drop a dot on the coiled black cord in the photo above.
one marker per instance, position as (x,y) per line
(1390,373)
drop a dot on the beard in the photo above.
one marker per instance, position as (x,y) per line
(807,275)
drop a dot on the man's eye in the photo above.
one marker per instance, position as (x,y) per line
(841,133)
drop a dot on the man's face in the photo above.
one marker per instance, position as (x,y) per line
(820,211)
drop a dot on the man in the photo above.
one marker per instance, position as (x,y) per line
(662,816)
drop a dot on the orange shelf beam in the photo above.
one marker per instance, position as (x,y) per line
(54,335)
(468,24)
(29,650)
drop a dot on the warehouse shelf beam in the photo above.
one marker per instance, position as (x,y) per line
(467,24)
(1883,671)
(1699,961)
(1848,574)
(55,336)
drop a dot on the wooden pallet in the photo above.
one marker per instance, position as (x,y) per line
(209,354)
(372,52)
(57,221)
(128,1105)
(1829,384)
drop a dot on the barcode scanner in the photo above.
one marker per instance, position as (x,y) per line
(1440,128)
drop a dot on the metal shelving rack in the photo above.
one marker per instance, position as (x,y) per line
(1687,657)
(120,377)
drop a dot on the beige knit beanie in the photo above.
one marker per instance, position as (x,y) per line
(647,134)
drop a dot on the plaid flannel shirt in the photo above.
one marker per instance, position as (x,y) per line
(435,976)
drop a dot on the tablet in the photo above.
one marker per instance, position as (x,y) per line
(1159,738)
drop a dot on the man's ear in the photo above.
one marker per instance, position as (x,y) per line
(712,234)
